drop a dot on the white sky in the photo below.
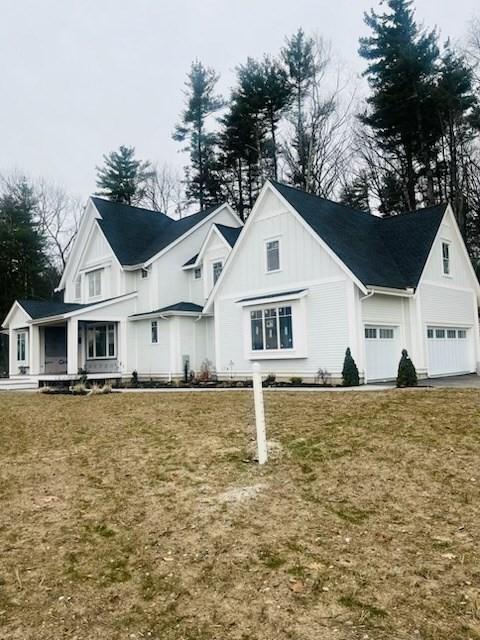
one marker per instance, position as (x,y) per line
(80,77)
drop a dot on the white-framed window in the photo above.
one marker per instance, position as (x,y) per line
(217,270)
(22,346)
(446,258)
(197,273)
(451,333)
(94,283)
(440,333)
(154,331)
(429,334)
(386,334)
(370,333)
(462,334)
(78,287)
(145,273)
(271,329)
(101,341)
(272,249)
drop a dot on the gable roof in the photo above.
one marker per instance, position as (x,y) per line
(137,234)
(383,252)
(229,233)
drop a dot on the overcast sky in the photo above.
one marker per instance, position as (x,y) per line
(80,77)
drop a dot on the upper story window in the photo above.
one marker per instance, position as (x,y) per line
(78,287)
(154,331)
(271,328)
(446,258)
(197,274)
(217,270)
(22,346)
(95,283)
(272,248)
(145,274)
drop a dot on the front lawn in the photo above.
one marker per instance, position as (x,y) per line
(134,516)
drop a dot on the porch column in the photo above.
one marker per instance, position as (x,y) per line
(72,346)
(34,350)
(123,344)
(12,353)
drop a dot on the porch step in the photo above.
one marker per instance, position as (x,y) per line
(17,384)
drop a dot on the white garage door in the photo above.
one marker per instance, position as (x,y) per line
(382,352)
(449,351)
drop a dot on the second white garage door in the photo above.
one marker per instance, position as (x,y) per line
(382,352)
(449,351)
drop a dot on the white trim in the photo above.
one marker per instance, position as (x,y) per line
(15,305)
(387,291)
(213,229)
(86,309)
(272,300)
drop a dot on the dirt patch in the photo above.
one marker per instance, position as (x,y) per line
(364,523)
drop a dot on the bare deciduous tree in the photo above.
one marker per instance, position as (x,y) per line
(59,217)
(163,190)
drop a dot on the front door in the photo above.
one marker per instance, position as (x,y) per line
(56,349)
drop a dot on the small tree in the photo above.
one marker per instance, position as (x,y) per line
(407,374)
(350,371)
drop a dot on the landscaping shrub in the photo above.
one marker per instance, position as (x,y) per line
(269,380)
(134,378)
(407,374)
(83,376)
(79,389)
(350,371)
(296,380)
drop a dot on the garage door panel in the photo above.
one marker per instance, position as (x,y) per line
(449,350)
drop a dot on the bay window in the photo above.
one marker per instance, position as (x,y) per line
(271,329)
(101,341)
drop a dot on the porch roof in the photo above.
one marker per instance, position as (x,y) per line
(37,309)
(172,309)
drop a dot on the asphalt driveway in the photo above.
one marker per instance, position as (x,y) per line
(469,381)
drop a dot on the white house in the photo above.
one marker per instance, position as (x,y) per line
(304,279)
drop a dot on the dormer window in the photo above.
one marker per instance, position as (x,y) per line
(217,270)
(446,258)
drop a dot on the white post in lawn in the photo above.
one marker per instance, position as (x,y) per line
(259,414)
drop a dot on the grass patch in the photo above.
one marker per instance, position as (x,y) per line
(114,521)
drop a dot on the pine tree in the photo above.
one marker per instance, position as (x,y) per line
(355,192)
(407,374)
(201,176)
(350,371)
(123,178)
(401,72)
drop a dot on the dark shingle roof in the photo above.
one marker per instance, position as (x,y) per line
(188,263)
(136,234)
(45,308)
(188,307)
(229,233)
(383,252)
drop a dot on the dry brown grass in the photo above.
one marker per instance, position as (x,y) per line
(136,516)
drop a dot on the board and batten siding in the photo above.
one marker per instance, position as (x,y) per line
(304,264)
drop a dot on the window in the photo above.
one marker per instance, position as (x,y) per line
(446,258)
(154,331)
(197,274)
(217,270)
(273,255)
(145,273)
(101,341)
(386,334)
(462,334)
(78,287)
(271,329)
(440,333)
(95,283)
(22,346)
(451,333)
(430,333)
(370,333)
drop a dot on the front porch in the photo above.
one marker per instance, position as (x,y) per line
(58,350)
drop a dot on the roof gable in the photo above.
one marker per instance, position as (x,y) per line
(384,252)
